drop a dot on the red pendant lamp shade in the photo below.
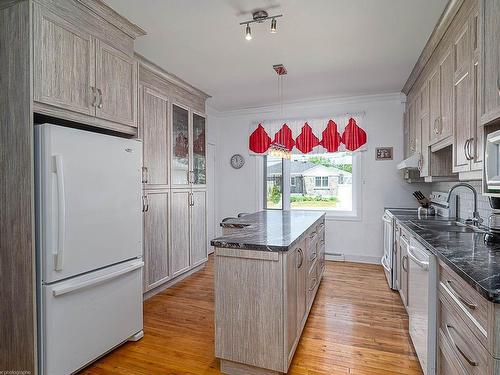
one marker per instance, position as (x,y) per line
(306,140)
(259,141)
(331,137)
(284,137)
(354,137)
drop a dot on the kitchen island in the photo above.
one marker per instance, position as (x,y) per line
(268,267)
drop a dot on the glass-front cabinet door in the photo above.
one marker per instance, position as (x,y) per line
(180,146)
(199,167)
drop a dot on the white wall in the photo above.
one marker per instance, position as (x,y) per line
(382,184)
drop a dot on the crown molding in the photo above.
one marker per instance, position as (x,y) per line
(450,11)
(172,78)
(309,103)
(109,14)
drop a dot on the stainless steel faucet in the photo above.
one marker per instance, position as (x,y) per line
(476,219)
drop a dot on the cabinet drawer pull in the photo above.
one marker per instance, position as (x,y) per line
(301,253)
(459,297)
(312,234)
(498,84)
(469,361)
(313,256)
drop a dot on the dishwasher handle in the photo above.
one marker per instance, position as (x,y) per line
(422,264)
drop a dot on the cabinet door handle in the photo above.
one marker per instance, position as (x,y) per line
(471,155)
(466,148)
(313,256)
(448,332)
(144,175)
(301,253)
(145,203)
(436,130)
(191,199)
(498,84)
(100,98)
(459,297)
(94,96)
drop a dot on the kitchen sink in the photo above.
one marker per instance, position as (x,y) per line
(447,226)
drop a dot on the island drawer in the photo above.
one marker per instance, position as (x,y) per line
(455,335)
(469,304)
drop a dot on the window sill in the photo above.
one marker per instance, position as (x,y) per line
(331,215)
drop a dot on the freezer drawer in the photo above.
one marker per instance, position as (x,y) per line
(84,317)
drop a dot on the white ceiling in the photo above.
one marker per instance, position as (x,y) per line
(330,47)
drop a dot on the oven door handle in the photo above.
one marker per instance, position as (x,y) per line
(387,268)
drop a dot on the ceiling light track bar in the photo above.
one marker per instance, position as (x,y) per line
(260,20)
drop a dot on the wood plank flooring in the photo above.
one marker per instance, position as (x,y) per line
(356,326)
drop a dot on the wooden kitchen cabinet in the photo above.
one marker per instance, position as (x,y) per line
(166,105)
(180,212)
(156,238)
(154,109)
(468,133)
(423,118)
(490,60)
(267,284)
(116,85)
(84,71)
(444,125)
(198,219)
(64,63)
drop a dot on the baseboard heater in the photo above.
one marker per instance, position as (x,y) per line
(336,257)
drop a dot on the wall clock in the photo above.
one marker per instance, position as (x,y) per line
(237,161)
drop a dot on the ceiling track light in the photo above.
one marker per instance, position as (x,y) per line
(260,16)
(248,33)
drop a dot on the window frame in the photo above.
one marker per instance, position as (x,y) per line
(357,182)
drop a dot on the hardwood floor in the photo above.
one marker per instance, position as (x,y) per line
(356,326)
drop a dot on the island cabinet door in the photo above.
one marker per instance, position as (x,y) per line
(180,205)
(301,286)
(292,260)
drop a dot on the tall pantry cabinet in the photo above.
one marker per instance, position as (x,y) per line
(172,126)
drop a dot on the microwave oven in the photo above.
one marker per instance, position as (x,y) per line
(491,170)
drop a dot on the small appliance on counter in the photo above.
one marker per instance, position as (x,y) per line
(493,236)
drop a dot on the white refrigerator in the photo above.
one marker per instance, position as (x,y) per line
(88,245)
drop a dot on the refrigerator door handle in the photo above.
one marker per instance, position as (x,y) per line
(61,213)
(59,291)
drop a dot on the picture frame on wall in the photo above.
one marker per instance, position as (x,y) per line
(383,153)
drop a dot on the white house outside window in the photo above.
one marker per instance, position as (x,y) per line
(328,182)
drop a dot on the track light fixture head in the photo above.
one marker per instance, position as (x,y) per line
(248,33)
(260,16)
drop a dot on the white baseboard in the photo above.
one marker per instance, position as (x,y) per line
(338,257)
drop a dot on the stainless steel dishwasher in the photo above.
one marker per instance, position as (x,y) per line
(422,301)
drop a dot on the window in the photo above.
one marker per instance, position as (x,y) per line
(274,182)
(326,182)
(321,182)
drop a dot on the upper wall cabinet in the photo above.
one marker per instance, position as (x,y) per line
(199,158)
(116,85)
(64,69)
(490,60)
(84,66)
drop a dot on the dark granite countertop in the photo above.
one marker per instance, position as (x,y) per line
(467,254)
(270,230)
